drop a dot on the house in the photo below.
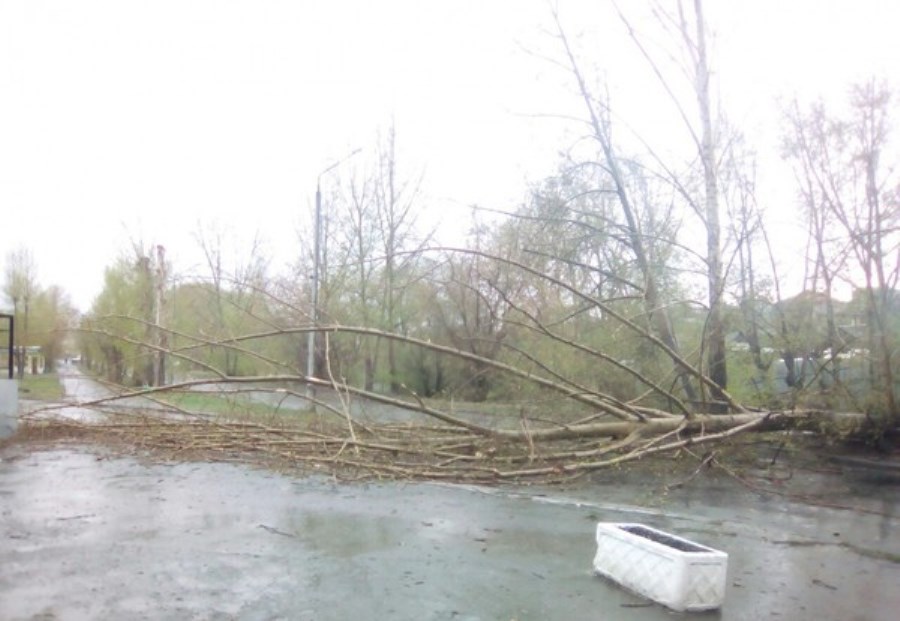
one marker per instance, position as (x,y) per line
(35,363)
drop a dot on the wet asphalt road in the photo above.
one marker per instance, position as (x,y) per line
(87,535)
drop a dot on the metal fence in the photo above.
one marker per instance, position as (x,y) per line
(7,330)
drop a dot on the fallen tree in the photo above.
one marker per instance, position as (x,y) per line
(344,436)
(415,450)
(562,426)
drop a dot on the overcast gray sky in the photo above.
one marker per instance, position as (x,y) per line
(124,120)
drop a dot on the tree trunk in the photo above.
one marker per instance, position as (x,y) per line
(369,378)
(703,424)
(656,311)
(715,329)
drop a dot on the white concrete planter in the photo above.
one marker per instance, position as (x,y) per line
(670,570)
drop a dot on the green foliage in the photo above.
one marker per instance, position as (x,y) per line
(118,323)
(205,321)
(748,383)
(52,318)
(43,316)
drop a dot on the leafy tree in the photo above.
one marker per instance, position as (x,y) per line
(121,336)
(52,318)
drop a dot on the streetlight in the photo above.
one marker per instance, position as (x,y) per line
(311,335)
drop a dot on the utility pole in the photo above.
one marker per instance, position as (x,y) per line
(162,341)
(316,276)
(311,335)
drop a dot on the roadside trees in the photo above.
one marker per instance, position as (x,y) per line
(122,333)
(20,287)
(53,316)
(230,299)
(375,246)
(852,205)
(688,29)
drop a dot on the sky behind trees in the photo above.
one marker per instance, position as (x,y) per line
(148,121)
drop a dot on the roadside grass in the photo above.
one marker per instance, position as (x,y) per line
(45,387)
(232,407)
(241,407)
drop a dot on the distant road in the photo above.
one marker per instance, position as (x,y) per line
(78,386)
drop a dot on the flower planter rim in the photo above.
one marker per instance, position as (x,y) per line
(617,530)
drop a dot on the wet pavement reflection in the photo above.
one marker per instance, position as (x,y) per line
(86,535)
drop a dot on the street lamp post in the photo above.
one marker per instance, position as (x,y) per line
(317,245)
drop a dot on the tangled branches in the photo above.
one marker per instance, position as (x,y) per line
(403,450)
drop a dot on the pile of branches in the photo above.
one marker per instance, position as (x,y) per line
(448,450)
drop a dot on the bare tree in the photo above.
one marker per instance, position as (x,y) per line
(476,296)
(686,22)
(396,214)
(236,282)
(854,212)
(377,247)
(715,338)
(600,124)
(21,287)
(807,145)
(359,242)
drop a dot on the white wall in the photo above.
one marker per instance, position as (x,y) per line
(9,407)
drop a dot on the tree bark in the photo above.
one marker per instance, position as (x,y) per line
(656,311)
(715,331)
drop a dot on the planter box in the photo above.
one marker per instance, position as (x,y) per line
(670,570)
